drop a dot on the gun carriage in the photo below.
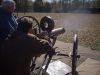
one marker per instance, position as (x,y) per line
(45,30)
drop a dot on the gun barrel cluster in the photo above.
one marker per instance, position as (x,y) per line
(57,31)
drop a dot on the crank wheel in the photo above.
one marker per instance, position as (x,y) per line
(74,54)
(35,23)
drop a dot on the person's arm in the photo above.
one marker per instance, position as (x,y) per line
(42,46)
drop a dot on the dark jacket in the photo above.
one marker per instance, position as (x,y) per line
(8,24)
(17,53)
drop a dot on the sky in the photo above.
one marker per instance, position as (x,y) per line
(46,0)
(57,0)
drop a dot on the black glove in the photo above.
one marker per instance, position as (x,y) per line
(43,35)
(51,52)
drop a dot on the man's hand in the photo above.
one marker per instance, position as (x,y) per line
(51,52)
(44,35)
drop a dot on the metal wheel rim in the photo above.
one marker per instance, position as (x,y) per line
(74,54)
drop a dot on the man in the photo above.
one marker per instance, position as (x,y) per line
(8,23)
(17,52)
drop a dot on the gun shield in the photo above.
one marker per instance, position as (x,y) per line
(47,24)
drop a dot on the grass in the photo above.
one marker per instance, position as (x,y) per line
(87,26)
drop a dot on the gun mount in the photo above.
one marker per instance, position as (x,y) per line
(46,27)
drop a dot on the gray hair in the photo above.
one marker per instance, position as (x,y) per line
(7,3)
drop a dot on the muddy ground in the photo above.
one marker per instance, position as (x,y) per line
(66,48)
(86,25)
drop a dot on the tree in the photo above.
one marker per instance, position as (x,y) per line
(22,5)
(98,3)
(38,6)
(47,7)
